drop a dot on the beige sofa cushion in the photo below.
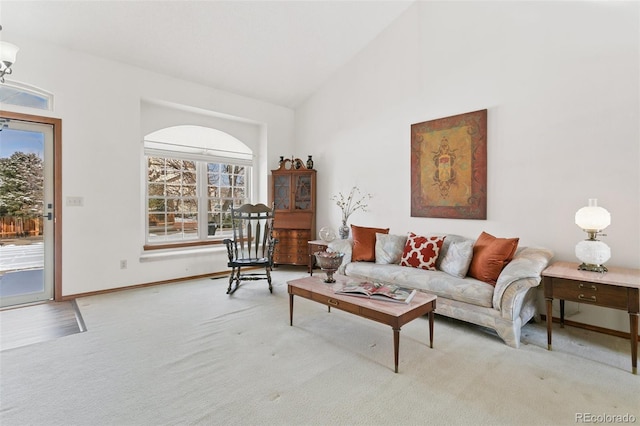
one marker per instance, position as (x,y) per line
(468,290)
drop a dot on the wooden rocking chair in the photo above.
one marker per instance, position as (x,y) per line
(252,244)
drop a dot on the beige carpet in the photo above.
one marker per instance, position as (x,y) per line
(189,354)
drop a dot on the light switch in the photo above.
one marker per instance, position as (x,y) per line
(75,201)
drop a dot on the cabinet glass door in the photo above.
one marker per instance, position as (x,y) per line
(282,192)
(303,192)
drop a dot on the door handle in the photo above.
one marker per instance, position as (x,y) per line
(49,216)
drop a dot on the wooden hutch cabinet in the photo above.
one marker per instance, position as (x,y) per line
(293,192)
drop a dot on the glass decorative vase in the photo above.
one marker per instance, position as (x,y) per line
(343,230)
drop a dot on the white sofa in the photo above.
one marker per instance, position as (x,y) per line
(504,308)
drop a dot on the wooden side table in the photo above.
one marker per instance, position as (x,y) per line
(617,289)
(315,246)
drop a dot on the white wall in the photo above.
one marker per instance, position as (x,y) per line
(99,102)
(561,85)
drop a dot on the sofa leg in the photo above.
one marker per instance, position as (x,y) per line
(510,333)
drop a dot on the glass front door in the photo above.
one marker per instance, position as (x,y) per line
(26,212)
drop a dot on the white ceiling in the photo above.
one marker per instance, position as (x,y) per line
(277,51)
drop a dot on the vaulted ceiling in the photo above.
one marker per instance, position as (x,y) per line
(277,51)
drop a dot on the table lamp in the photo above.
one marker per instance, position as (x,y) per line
(592,252)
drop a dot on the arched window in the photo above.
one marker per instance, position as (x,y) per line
(194,174)
(21,94)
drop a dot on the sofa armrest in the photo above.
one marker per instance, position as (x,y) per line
(342,246)
(514,297)
(525,269)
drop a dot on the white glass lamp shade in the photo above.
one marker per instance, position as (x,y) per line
(592,217)
(8,53)
(593,252)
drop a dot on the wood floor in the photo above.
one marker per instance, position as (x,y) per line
(26,325)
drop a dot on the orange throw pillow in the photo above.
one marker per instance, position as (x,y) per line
(490,256)
(364,243)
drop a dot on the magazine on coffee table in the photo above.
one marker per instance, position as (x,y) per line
(379,291)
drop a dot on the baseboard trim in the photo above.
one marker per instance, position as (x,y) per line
(130,287)
(590,327)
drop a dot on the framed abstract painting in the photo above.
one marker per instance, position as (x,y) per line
(449,167)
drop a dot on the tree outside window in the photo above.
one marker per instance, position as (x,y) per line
(21,192)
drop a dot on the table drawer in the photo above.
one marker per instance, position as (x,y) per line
(335,303)
(314,248)
(291,248)
(594,293)
(295,234)
(284,258)
(290,259)
(300,292)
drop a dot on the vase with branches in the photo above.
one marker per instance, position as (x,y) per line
(350,204)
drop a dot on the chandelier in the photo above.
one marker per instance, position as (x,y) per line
(8,54)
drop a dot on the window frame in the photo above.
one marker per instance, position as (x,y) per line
(201,163)
(23,89)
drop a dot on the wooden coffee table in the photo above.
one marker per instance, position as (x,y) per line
(390,313)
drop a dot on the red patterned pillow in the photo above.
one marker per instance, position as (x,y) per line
(421,252)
